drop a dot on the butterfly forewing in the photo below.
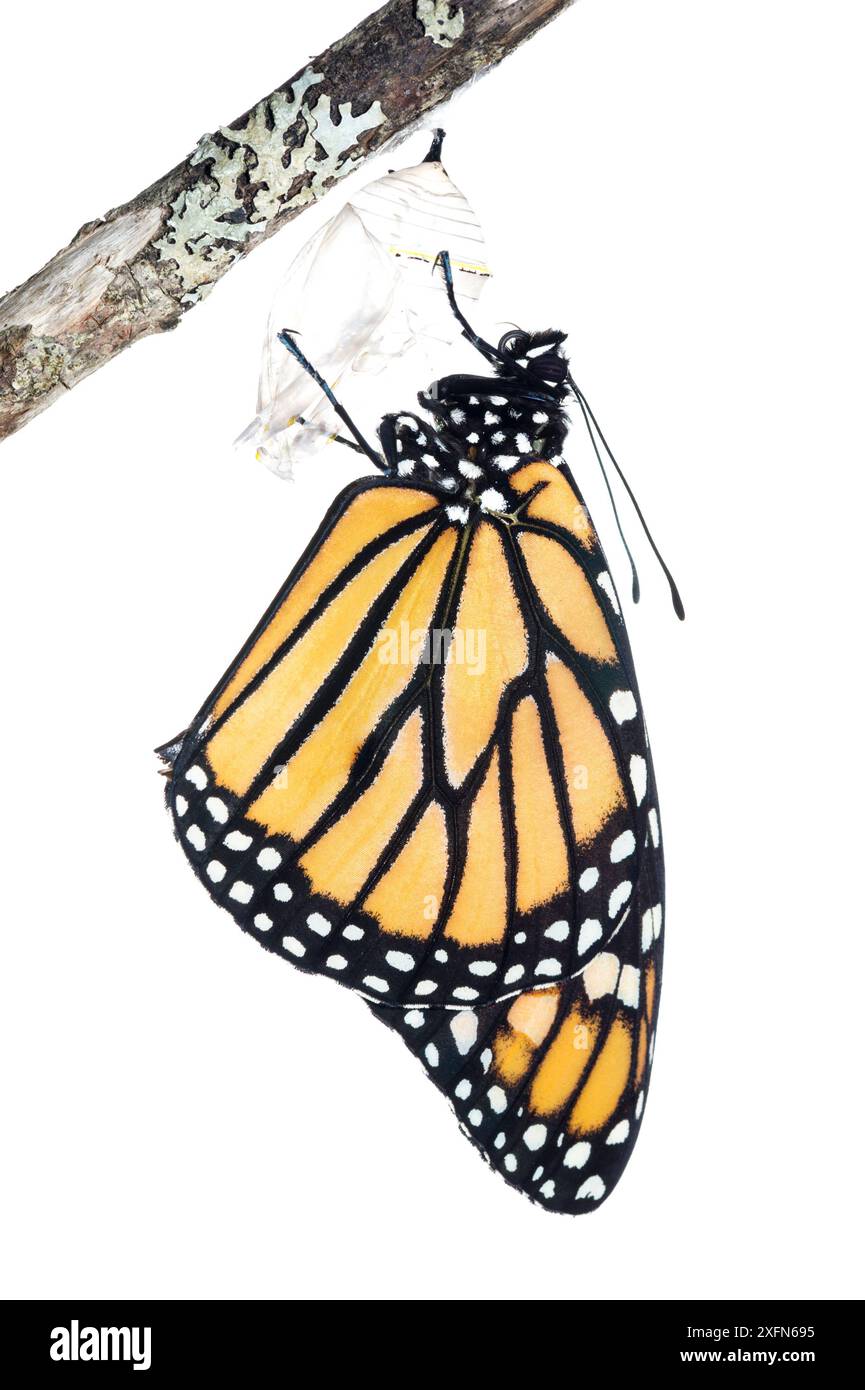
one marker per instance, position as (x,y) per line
(412,778)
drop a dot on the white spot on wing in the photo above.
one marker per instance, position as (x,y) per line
(622,846)
(623,706)
(497,1099)
(269,858)
(235,839)
(559,931)
(377,983)
(590,932)
(648,930)
(593,1187)
(577,1155)
(629,986)
(400,960)
(639,776)
(535,1136)
(464,1030)
(619,897)
(483,967)
(601,975)
(652,919)
(606,583)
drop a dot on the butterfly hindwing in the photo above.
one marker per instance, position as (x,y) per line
(551,1086)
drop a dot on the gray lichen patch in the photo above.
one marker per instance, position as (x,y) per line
(285,153)
(337,139)
(442,22)
(32,365)
(197,227)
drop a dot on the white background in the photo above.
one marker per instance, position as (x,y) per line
(679,186)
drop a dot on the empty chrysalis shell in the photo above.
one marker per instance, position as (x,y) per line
(360,295)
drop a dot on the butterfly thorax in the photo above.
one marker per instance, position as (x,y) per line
(482,427)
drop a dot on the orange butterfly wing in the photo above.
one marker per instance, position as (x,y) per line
(426,775)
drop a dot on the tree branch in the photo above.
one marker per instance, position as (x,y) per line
(140,268)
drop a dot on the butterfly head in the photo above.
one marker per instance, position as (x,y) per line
(534,361)
(485,426)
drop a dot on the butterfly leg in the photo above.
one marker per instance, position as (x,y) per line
(363,444)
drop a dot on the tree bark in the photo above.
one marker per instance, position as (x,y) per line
(141,267)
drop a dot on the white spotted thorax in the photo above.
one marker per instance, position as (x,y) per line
(481,430)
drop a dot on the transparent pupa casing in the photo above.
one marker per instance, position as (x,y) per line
(360,296)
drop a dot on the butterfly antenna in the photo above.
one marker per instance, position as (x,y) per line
(489,352)
(363,444)
(593,427)
(635,579)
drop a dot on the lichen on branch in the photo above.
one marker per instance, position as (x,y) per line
(442,22)
(140,268)
(284,152)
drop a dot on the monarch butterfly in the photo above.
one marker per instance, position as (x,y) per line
(426,774)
